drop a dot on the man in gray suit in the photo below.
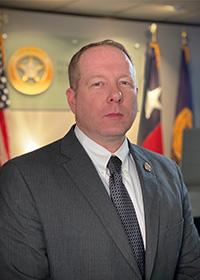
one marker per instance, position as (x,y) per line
(57,216)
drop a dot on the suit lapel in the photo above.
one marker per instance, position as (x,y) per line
(151,206)
(83,173)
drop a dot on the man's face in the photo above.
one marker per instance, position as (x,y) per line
(105,100)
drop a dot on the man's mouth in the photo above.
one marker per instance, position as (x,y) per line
(114,115)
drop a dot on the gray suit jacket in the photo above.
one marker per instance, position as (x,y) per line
(57,221)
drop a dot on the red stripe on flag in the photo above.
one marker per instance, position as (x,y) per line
(154,140)
(4,102)
(4,133)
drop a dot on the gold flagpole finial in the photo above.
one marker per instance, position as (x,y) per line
(184,38)
(153,29)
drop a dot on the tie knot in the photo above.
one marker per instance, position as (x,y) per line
(114,165)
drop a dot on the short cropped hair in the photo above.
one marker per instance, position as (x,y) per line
(73,70)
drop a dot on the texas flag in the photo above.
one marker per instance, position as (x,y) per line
(150,131)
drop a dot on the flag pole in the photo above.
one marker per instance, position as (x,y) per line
(184,38)
(184,44)
(153,29)
(3,36)
(154,43)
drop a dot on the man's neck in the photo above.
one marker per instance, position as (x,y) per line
(112,143)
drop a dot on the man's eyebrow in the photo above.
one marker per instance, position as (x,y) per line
(130,77)
(95,77)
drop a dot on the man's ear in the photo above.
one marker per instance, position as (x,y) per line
(71,98)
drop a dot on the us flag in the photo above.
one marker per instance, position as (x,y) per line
(4,102)
(150,129)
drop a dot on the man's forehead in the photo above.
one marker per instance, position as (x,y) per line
(99,58)
(104,56)
(104,50)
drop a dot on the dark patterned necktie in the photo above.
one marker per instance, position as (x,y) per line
(126,211)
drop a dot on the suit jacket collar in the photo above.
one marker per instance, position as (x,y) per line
(81,169)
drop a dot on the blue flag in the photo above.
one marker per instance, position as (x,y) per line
(184,108)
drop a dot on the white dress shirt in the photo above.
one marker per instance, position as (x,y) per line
(100,157)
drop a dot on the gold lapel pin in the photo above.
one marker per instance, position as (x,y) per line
(147,167)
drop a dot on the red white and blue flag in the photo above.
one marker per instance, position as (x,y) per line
(150,129)
(4,101)
(184,108)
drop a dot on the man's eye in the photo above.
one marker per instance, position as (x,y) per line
(97,84)
(124,83)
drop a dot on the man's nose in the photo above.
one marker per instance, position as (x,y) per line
(115,96)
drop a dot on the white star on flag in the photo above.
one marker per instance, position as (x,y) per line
(152,101)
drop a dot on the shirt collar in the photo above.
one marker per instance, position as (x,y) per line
(98,154)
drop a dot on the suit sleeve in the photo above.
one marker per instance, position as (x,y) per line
(22,245)
(189,259)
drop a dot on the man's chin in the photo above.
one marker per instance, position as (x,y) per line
(115,133)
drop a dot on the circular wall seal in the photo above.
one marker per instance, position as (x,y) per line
(30,70)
